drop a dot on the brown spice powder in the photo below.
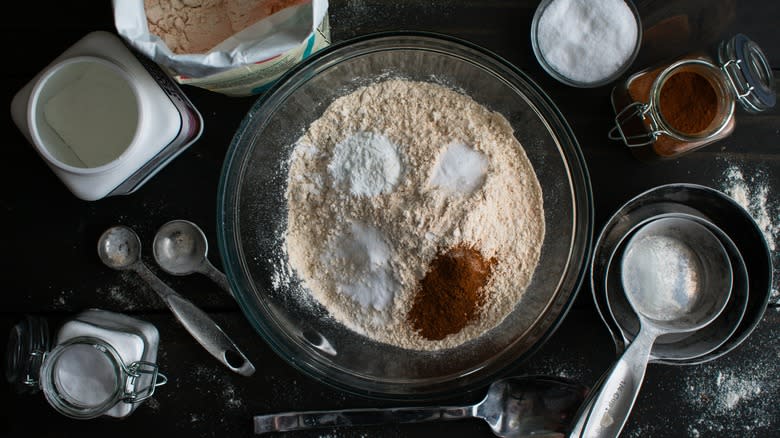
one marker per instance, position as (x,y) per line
(688,102)
(450,294)
(639,89)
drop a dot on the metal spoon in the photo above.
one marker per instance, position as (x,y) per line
(514,407)
(677,278)
(180,248)
(120,248)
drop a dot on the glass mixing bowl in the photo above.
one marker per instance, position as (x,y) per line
(252,218)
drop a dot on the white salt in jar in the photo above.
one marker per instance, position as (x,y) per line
(102,363)
(103,119)
(586,43)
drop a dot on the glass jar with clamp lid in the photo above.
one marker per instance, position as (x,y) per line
(666,111)
(102,363)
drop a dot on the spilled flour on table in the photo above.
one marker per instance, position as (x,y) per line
(572,367)
(215,382)
(153,404)
(130,293)
(753,191)
(748,392)
(61,301)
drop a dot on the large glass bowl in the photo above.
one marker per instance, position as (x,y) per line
(252,218)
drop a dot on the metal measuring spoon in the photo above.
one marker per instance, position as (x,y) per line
(180,248)
(514,407)
(687,296)
(120,248)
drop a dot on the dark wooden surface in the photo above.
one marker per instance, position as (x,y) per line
(49,264)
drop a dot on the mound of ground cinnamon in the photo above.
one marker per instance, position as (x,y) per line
(688,102)
(450,295)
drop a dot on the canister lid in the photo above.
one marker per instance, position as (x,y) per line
(749,72)
(28,341)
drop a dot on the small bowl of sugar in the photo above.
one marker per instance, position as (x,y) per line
(586,43)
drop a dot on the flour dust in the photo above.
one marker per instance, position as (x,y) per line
(754,191)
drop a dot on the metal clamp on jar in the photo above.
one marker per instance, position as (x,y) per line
(102,364)
(664,112)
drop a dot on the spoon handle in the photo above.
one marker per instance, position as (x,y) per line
(288,421)
(618,390)
(200,325)
(217,277)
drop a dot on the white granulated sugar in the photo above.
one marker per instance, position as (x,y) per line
(404,222)
(587,40)
(459,169)
(85,375)
(738,390)
(363,253)
(367,162)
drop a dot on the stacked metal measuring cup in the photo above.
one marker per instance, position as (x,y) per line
(746,300)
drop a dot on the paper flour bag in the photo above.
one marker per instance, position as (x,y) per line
(234,47)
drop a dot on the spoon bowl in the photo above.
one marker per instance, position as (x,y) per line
(180,247)
(514,407)
(119,248)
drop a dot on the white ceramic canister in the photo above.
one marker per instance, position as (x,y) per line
(103,119)
(101,364)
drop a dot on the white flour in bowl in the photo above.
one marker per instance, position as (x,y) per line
(361,241)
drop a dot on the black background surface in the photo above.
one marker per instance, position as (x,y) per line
(50,266)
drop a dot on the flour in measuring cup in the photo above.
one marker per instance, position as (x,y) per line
(662,264)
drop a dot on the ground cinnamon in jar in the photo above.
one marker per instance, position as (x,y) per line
(451,293)
(688,102)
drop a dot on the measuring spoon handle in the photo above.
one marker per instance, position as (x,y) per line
(200,325)
(217,277)
(619,389)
